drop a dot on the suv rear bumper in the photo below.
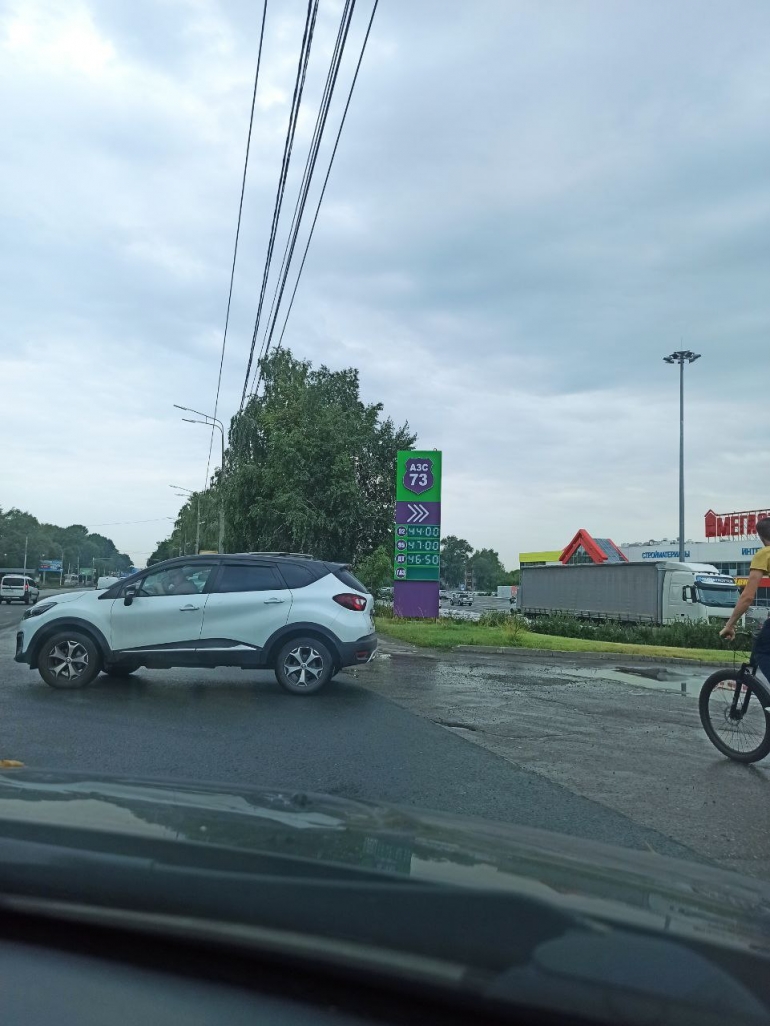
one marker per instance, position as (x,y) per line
(353,653)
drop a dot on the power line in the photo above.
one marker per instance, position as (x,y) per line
(328,172)
(310,163)
(299,85)
(237,235)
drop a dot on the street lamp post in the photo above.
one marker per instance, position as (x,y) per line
(210,421)
(681,357)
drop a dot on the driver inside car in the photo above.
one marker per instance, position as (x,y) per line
(177,583)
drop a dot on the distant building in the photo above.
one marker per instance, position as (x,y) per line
(582,549)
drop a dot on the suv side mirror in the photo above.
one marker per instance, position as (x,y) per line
(129,594)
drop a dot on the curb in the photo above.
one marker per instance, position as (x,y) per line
(583,657)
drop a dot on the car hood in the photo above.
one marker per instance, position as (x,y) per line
(618,885)
(69,596)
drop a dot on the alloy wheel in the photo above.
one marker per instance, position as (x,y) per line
(68,660)
(303,666)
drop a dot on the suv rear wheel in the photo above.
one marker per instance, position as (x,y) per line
(69,659)
(303,666)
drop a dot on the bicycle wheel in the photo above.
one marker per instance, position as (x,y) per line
(735,713)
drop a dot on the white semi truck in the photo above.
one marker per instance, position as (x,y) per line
(654,592)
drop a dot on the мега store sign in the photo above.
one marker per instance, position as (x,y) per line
(733,525)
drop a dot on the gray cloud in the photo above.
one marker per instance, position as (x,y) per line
(531,205)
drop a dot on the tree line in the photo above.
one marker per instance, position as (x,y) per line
(458,557)
(75,545)
(309,468)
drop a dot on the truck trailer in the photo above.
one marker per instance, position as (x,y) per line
(656,592)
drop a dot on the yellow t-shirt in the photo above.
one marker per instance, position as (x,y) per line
(761,560)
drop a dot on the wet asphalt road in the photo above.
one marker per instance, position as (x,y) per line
(234,726)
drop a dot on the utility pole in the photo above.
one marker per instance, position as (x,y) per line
(212,422)
(681,357)
(26,542)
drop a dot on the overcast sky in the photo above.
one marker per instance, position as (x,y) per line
(531,205)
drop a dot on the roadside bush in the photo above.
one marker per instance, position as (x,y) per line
(384,609)
(375,571)
(684,634)
(494,618)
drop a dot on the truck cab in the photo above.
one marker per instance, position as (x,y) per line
(697,591)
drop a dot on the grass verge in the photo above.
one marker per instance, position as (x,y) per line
(445,634)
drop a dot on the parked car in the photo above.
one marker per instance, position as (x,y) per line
(305,619)
(461,598)
(17,588)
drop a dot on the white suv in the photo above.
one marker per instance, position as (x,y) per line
(16,588)
(301,617)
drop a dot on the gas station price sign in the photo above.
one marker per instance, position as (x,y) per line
(418,545)
(418,516)
(415,531)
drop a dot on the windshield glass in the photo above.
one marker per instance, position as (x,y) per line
(373,440)
(716,595)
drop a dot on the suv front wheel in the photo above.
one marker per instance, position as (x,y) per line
(303,666)
(69,659)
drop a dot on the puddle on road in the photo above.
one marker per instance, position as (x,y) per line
(687,681)
(425,674)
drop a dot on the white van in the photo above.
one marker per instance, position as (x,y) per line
(16,588)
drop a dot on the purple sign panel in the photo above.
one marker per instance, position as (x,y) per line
(416,598)
(427,514)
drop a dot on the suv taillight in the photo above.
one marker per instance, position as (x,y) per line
(26,587)
(355,602)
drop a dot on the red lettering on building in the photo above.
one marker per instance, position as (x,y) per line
(733,525)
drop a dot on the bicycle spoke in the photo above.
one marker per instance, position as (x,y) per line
(740,721)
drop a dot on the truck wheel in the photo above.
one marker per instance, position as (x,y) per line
(69,659)
(303,666)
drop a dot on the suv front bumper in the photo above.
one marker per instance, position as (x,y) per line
(21,656)
(354,653)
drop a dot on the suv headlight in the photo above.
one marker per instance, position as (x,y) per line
(38,609)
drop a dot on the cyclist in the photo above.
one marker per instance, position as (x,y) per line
(760,567)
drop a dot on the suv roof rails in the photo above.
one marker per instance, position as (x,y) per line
(294,555)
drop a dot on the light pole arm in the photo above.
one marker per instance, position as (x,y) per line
(211,422)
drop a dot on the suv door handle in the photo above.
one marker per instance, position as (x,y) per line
(273,601)
(186,609)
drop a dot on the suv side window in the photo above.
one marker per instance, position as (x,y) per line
(297,576)
(175,580)
(248,577)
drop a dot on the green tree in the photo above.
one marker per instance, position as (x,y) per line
(488,571)
(164,550)
(376,569)
(73,545)
(310,466)
(454,558)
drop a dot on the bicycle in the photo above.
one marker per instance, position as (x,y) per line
(734,709)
